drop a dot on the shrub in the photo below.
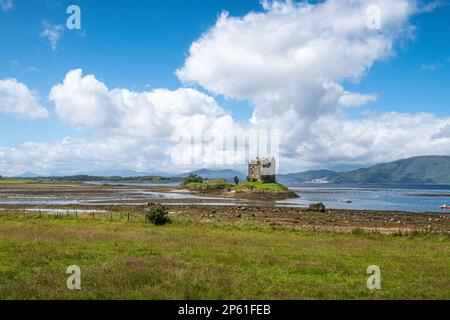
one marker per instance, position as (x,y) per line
(192,178)
(358,232)
(157,215)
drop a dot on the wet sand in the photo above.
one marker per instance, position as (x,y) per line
(71,196)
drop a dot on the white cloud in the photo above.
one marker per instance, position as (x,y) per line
(75,155)
(52,33)
(16,98)
(352,99)
(6,5)
(83,101)
(376,138)
(292,60)
(430,7)
(431,67)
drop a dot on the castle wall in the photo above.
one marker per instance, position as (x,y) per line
(262,170)
(254,171)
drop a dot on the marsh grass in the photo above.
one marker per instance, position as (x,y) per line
(197,259)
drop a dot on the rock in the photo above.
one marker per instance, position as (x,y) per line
(317,207)
(238,215)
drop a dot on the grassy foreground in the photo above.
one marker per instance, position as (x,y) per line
(190,259)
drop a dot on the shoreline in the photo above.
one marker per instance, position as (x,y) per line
(113,198)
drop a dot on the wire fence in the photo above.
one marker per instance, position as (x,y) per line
(94,215)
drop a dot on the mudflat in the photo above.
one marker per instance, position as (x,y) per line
(35,197)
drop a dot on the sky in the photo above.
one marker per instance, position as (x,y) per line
(342,83)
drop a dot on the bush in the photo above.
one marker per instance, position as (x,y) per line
(192,178)
(358,232)
(157,215)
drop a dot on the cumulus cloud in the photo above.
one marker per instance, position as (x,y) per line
(292,61)
(75,155)
(84,101)
(52,33)
(6,5)
(16,98)
(376,138)
(351,99)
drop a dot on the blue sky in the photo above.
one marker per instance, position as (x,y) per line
(138,45)
(130,44)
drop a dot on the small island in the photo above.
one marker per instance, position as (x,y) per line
(261,183)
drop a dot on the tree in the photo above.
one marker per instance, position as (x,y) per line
(193,178)
(236,180)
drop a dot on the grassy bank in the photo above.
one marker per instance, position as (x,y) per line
(262,187)
(209,185)
(14,181)
(189,259)
(244,189)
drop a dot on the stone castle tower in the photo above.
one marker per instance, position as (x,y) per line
(262,170)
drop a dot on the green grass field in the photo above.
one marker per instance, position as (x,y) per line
(14,181)
(190,259)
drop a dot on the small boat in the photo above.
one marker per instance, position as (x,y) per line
(445,207)
(346,201)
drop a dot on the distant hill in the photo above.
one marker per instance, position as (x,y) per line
(426,169)
(314,176)
(228,174)
(115,173)
(29,175)
(87,178)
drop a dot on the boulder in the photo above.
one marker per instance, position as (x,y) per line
(317,207)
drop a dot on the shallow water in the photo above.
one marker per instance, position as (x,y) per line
(411,198)
(384,198)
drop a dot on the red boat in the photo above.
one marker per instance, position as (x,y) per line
(445,207)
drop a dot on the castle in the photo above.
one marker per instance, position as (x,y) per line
(262,170)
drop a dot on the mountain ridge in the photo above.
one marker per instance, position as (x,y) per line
(415,170)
